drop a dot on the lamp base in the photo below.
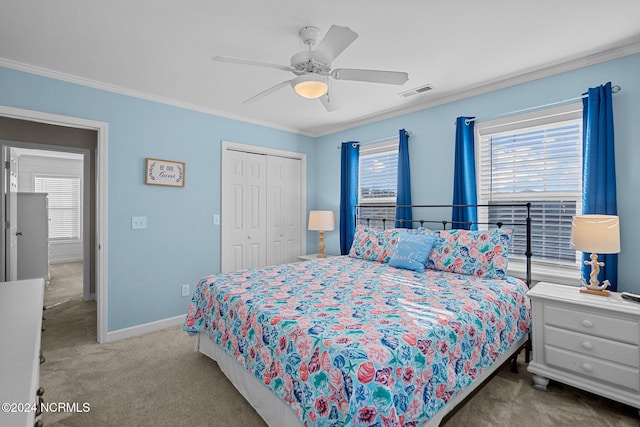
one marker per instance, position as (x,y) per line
(321,245)
(602,293)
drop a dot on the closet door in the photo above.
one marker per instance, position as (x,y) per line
(244,208)
(283,209)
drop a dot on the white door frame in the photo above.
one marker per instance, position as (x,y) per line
(235,146)
(101,196)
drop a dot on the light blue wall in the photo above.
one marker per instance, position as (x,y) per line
(431,145)
(180,245)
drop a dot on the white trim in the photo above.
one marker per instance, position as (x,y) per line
(145,328)
(546,273)
(57,75)
(101,196)
(256,149)
(246,148)
(609,53)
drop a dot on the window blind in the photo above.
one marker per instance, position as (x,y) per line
(378,177)
(539,164)
(64,205)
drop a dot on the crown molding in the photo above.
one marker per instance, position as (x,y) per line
(70,78)
(630,48)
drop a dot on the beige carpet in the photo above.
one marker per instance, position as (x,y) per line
(158,380)
(65,283)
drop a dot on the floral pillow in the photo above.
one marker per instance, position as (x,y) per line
(419,230)
(373,245)
(475,253)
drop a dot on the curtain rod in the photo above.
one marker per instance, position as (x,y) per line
(614,89)
(371,141)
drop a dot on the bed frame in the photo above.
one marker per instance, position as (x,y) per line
(276,413)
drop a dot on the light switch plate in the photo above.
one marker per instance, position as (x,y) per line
(138,222)
(185,290)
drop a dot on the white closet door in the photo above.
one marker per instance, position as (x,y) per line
(283,209)
(244,210)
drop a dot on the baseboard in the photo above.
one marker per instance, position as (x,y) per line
(135,331)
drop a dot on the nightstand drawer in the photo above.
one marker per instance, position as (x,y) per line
(592,346)
(590,367)
(592,324)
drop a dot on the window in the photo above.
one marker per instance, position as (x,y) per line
(64,205)
(535,158)
(378,177)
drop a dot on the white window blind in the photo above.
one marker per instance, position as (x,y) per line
(64,205)
(537,160)
(377,181)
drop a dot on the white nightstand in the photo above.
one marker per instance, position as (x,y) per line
(587,341)
(310,257)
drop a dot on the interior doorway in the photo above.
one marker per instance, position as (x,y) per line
(49,228)
(32,130)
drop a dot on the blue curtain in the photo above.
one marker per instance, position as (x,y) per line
(403,193)
(349,156)
(599,170)
(464,177)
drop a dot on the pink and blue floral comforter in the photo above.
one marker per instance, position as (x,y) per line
(346,341)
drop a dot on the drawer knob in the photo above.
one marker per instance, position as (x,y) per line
(587,367)
(587,345)
(587,323)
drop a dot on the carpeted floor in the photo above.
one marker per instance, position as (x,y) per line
(65,283)
(158,380)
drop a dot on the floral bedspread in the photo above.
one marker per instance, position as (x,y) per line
(346,341)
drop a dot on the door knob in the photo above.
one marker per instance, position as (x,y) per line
(19,233)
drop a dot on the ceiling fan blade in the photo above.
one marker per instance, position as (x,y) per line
(373,76)
(253,63)
(329,102)
(269,91)
(334,42)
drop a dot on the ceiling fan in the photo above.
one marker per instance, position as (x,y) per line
(312,67)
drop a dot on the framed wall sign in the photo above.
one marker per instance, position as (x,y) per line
(165,172)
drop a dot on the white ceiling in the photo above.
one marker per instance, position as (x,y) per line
(162,49)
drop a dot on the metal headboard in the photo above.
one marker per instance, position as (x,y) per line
(525,221)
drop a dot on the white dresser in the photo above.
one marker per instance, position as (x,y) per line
(20,329)
(587,341)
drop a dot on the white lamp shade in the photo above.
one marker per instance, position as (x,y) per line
(321,220)
(598,234)
(310,86)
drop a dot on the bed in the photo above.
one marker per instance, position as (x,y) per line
(358,340)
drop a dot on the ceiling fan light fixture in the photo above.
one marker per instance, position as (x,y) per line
(310,86)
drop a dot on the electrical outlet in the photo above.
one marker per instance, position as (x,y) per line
(185,291)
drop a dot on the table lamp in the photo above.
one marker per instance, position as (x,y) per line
(321,221)
(595,234)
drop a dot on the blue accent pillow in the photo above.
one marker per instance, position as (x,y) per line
(411,251)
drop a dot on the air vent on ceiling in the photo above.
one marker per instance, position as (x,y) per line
(416,90)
